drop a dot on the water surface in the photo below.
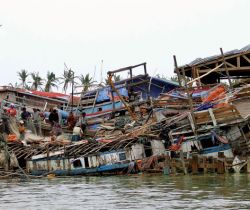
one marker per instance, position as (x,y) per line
(128,192)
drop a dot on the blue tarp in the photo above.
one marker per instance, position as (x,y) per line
(105,93)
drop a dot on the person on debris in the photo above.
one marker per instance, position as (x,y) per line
(21,129)
(57,129)
(12,111)
(53,117)
(83,121)
(25,116)
(37,121)
(77,132)
(5,122)
(71,121)
(132,95)
(60,119)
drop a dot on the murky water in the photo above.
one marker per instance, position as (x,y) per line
(128,192)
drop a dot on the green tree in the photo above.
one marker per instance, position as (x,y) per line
(23,75)
(174,78)
(37,80)
(51,81)
(117,78)
(67,78)
(86,81)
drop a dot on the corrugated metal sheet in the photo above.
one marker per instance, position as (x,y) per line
(198,61)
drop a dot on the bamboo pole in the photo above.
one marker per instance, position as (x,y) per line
(198,78)
(177,70)
(228,76)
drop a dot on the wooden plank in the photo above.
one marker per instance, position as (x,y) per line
(212,116)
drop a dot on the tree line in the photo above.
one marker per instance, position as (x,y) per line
(52,81)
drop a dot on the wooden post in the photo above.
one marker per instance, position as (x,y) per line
(205,165)
(190,102)
(214,161)
(194,163)
(48,161)
(220,163)
(145,68)
(225,65)
(210,111)
(173,166)
(183,162)
(248,164)
(177,70)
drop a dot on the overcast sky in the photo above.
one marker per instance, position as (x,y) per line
(42,35)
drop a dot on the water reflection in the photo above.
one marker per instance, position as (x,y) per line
(129,192)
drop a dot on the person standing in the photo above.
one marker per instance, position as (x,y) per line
(77,132)
(83,121)
(12,111)
(37,121)
(71,121)
(54,117)
(25,116)
(21,129)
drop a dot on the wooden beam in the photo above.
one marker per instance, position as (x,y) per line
(246,58)
(127,68)
(190,101)
(229,64)
(238,61)
(245,68)
(228,76)
(210,71)
(212,116)
(177,70)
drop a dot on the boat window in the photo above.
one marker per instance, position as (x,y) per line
(122,156)
(209,142)
(86,161)
(77,163)
(148,149)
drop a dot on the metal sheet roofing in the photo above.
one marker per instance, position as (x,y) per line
(198,61)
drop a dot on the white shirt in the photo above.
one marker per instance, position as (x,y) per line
(77,131)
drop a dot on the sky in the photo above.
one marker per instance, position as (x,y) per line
(42,35)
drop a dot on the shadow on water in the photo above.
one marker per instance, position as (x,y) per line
(129,192)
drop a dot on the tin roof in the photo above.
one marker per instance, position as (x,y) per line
(198,61)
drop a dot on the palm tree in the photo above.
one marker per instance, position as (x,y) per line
(117,78)
(23,75)
(37,80)
(86,81)
(67,78)
(51,81)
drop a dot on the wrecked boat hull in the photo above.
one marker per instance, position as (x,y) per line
(107,169)
(214,151)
